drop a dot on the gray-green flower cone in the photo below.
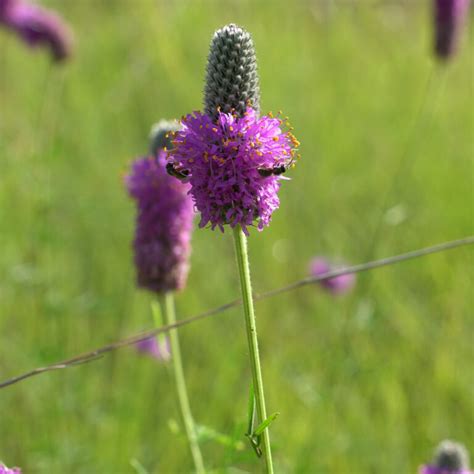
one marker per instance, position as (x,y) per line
(451,456)
(231,80)
(160,136)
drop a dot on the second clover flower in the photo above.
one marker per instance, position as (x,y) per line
(164,223)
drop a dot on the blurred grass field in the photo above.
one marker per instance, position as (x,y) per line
(365,383)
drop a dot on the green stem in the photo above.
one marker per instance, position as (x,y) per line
(167,305)
(240,241)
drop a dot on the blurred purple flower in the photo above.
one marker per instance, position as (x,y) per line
(229,163)
(158,350)
(450,458)
(163,226)
(4,469)
(448,19)
(429,469)
(337,285)
(36,26)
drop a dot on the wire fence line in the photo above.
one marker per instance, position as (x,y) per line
(99,353)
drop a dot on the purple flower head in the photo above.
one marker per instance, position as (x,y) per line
(232,158)
(337,285)
(233,165)
(163,226)
(5,470)
(158,350)
(450,458)
(36,26)
(448,19)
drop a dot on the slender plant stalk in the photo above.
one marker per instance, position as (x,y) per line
(167,307)
(240,241)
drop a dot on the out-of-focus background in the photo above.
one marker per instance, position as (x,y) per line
(367,382)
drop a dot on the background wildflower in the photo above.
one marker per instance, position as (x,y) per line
(5,470)
(164,222)
(162,249)
(158,350)
(448,20)
(37,26)
(337,285)
(450,458)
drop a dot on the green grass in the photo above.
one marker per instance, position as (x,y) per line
(366,383)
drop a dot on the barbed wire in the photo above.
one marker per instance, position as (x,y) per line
(99,353)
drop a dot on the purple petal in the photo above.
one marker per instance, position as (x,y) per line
(223,159)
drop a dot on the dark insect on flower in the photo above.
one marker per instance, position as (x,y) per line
(275,170)
(180,173)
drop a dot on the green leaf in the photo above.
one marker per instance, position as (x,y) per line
(265,424)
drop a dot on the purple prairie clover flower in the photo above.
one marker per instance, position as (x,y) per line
(163,225)
(232,158)
(450,458)
(337,285)
(449,16)
(158,350)
(233,165)
(5,470)
(37,26)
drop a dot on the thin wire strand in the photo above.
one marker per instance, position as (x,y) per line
(98,353)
